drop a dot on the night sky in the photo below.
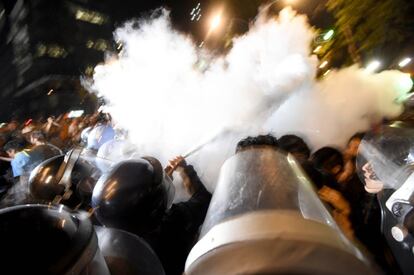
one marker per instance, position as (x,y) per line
(242,10)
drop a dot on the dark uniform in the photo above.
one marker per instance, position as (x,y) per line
(179,228)
(135,195)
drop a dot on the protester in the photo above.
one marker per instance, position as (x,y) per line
(295,146)
(332,172)
(101,133)
(19,157)
(329,163)
(41,147)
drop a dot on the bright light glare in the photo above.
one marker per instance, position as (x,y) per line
(328,35)
(75,113)
(405,84)
(48,179)
(327,72)
(317,49)
(215,22)
(373,66)
(323,65)
(404,62)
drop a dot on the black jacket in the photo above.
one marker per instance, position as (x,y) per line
(179,229)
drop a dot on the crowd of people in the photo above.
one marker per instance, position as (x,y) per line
(331,170)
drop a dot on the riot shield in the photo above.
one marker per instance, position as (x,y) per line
(265,217)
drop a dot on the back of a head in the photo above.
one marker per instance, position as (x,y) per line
(15,144)
(38,135)
(294,145)
(327,158)
(103,118)
(262,140)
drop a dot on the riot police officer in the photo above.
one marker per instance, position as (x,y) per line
(265,218)
(386,165)
(68,179)
(41,239)
(137,195)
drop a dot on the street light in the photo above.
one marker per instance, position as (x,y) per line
(215,22)
(404,62)
(328,35)
(373,66)
(324,37)
(317,49)
(327,72)
(323,65)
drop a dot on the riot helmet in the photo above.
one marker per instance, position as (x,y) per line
(49,240)
(265,218)
(56,240)
(126,253)
(133,195)
(68,179)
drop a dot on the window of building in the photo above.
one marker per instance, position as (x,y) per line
(99,45)
(50,50)
(89,71)
(92,17)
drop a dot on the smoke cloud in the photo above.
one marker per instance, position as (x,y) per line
(161,91)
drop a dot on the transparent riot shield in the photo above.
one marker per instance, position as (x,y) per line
(385,164)
(265,217)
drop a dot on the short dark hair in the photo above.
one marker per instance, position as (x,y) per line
(262,140)
(14,144)
(327,158)
(103,118)
(294,144)
(37,134)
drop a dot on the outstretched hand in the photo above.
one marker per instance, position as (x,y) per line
(174,163)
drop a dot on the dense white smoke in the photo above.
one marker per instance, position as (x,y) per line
(158,90)
(343,103)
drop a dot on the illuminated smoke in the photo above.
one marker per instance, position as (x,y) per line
(159,90)
(345,102)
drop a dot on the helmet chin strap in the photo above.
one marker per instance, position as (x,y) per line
(65,173)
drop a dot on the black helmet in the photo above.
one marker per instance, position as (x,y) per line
(66,179)
(126,253)
(48,240)
(55,240)
(133,196)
